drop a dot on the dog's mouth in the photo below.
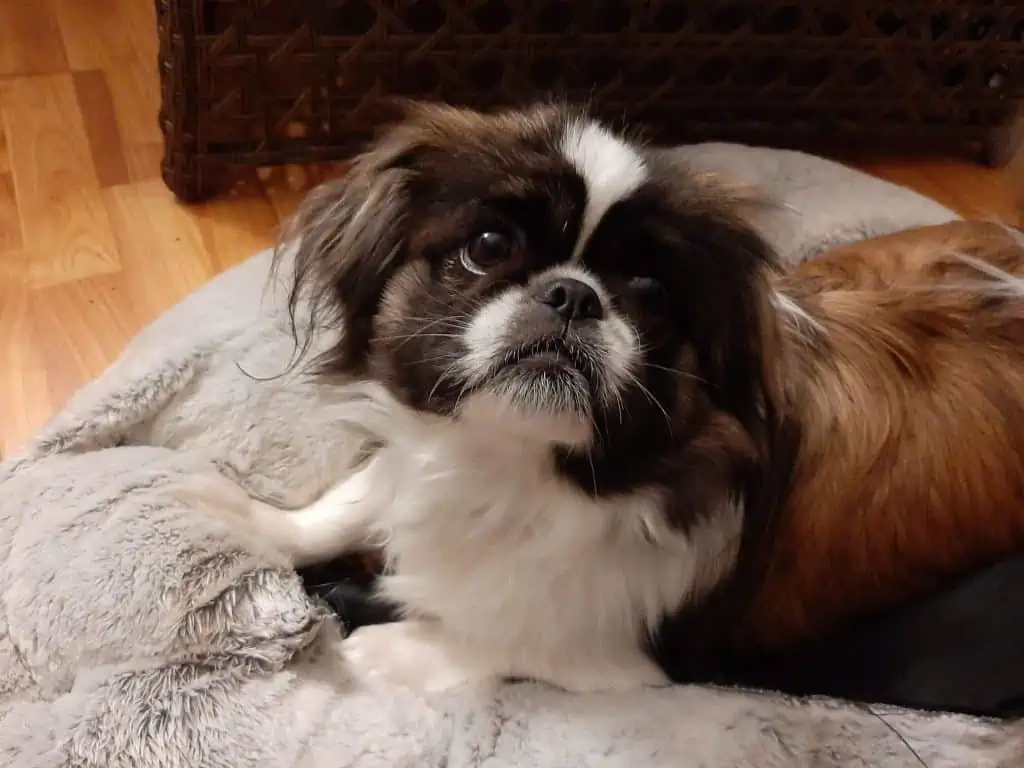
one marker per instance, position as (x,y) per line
(552,355)
(546,387)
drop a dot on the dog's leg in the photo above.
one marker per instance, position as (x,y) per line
(626,670)
(423,656)
(343,520)
(414,654)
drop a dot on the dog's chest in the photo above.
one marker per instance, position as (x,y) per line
(493,543)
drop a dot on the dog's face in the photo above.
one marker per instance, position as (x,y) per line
(537,275)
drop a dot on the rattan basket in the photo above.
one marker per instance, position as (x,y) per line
(264,82)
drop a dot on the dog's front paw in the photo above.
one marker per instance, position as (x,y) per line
(408,654)
(580,672)
(628,674)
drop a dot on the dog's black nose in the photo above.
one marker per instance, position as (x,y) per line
(571,299)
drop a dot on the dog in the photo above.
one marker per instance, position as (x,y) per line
(954,647)
(613,441)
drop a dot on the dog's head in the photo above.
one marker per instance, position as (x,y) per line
(533,273)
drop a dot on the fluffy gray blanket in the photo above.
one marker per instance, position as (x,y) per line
(136,631)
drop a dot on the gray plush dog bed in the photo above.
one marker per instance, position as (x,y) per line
(137,631)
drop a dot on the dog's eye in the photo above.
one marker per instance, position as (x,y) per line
(651,292)
(647,287)
(484,251)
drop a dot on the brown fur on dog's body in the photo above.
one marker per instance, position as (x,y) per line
(908,387)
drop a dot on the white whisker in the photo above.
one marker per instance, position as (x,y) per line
(654,401)
(593,471)
(1006,284)
(406,337)
(677,372)
(449,369)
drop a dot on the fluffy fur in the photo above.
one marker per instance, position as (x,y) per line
(911,408)
(601,415)
(905,379)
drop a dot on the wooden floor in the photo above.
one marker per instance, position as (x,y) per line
(93,246)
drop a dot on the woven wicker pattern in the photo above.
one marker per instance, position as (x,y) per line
(260,82)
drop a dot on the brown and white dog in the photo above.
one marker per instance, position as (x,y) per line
(597,403)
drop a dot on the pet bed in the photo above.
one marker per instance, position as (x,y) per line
(135,631)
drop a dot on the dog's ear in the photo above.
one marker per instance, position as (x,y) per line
(347,238)
(725,297)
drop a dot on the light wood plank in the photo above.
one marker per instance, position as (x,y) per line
(103,34)
(10,226)
(144,159)
(118,38)
(5,155)
(65,229)
(78,329)
(25,404)
(30,39)
(236,225)
(163,258)
(101,129)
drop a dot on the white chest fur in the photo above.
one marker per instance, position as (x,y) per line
(522,573)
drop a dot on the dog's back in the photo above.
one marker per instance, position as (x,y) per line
(910,400)
(897,570)
(939,255)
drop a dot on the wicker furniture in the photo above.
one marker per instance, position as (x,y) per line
(262,82)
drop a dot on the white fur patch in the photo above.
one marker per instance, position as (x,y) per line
(407,653)
(610,167)
(335,522)
(505,568)
(485,335)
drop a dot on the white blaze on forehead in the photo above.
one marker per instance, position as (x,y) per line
(611,168)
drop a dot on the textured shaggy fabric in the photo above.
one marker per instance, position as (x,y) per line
(137,631)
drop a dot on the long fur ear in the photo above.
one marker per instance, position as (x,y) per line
(737,331)
(347,238)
